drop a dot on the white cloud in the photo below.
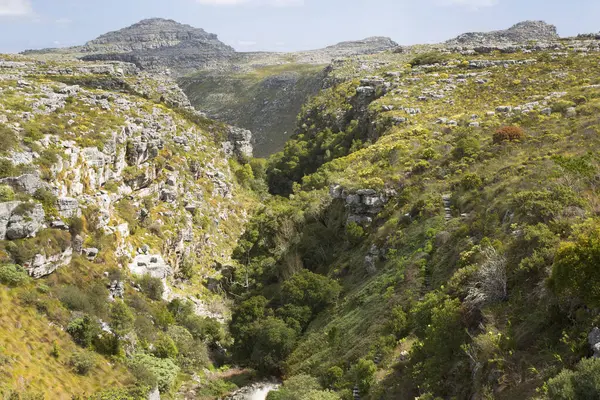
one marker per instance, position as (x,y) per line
(273,3)
(472,4)
(15,7)
(246,43)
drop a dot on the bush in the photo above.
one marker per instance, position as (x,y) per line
(581,384)
(76,226)
(83,362)
(152,287)
(121,318)
(193,354)
(83,330)
(8,139)
(430,58)
(6,193)
(575,270)
(302,387)
(509,134)
(135,393)
(7,168)
(165,347)
(13,275)
(471,181)
(153,371)
(363,374)
(355,233)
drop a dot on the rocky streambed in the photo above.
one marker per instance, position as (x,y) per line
(257,391)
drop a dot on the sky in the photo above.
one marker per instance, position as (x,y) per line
(285,25)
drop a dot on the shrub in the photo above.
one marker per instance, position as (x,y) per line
(490,283)
(76,226)
(302,387)
(575,270)
(121,318)
(134,393)
(272,341)
(83,362)
(193,354)
(397,322)
(430,58)
(83,330)
(363,374)
(466,147)
(509,134)
(333,377)
(7,168)
(152,287)
(355,233)
(8,139)
(13,275)
(471,181)
(6,193)
(165,347)
(153,371)
(581,384)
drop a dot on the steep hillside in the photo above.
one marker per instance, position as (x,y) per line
(118,198)
(439,235)
(266,100)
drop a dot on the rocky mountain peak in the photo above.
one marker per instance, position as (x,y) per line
(519,33)
(150,34)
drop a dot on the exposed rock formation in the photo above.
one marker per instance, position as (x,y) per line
(519,33)
(20,220)
(43,265)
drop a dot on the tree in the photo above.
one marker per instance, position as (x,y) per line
(363,373)
(272,342)
(309,289)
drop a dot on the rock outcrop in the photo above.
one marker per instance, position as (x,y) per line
(19,220)
(520,33)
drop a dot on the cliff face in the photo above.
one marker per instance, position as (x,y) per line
(109,179)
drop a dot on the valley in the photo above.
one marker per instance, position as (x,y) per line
(379,222)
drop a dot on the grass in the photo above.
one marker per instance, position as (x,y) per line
(28,338)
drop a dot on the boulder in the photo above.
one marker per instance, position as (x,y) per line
(154,394)
(239,143)
(91,253)
(116,289)
(148,264)
(28,183)
(19,220)
(43,265)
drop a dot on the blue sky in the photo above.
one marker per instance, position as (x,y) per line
(285,25)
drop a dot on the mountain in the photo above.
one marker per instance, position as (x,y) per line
(150,34)
(243,89)
(434,214)
(522,32)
